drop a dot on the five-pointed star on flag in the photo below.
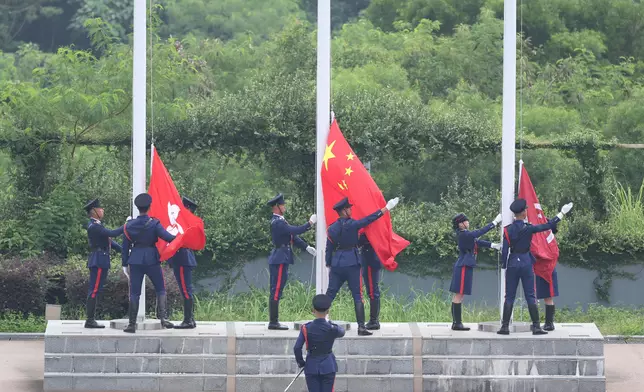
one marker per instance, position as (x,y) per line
(350,156)
(328,154)
(348,171)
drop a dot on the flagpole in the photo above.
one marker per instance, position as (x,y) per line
(509,119)
(139,116)
(322,131)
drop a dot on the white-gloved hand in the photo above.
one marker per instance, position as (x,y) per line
(564,210)
(311,250)
(313,219)
(128,218)
(496,246)
(392,203)
(125,272)
(497,220)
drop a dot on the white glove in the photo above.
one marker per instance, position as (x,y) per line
(564,210)
(313,219)
(125,272)
(128,218)
(496,245)
(392,203)
(311,250)
(497,220)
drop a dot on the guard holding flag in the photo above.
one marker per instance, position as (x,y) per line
(371,269)
(98,262)
(284,237)
(319,335)
(343,255)
(141,255)
(182,263)
(518,261)
(468,244)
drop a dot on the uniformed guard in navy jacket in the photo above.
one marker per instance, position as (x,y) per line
(182,263)
(318,335)
(284,237)
(371,269)
(343,256)
(141,255)
(517,260)
(98,262)
(463,275)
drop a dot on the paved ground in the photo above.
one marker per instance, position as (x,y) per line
(21,366)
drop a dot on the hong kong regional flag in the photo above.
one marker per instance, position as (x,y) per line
(544,245)
(343,175)
(168,208)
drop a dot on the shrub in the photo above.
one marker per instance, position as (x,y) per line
(23,286)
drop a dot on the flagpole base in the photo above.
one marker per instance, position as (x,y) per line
(344,324)
(145,325)
(515,327)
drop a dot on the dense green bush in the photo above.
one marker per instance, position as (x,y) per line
(23,285)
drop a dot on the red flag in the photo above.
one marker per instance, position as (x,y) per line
(343,175)
(168,208)
(544,245)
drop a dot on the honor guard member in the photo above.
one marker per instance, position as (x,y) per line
(463,275)
(547,292)
(319,335)
(98,262)
(343,255)
(518,262)
(182,264)
(141,255)
(284,237)
(371,268)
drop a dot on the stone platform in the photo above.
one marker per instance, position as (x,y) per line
(246,357)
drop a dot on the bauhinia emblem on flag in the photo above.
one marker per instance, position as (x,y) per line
(343,175)
(544,245)
(168,208)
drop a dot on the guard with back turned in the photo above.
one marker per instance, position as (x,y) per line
(371,271)
(518,261)
(284,237)
(343,255)
(318,335)
(98,262)
(141,255)
(182,263)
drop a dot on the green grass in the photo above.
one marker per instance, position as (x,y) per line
(424,307)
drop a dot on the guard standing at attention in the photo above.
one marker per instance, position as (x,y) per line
(141,255)
(371,269)
(98,262)
(284,237)
(319,335)
(182,263)
(463,275)
(343,255)
(518,262)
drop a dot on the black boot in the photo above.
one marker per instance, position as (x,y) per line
(273,312)
(133,311)
(362,330)
(162,311)
(374,312)
(457,322)
(192,313)
(91,312)
(187,315)
(505,323)
(550,318)
(534,315)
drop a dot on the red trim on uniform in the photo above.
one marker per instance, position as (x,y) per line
(126,234)
(476,248)
(507,236)
(370,283)
(98,282)
(306,337)
(183,283)
(329,238)
(462,280)
(361,284)
(279,283)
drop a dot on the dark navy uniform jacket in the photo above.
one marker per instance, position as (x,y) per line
(284,237)
(517,238)
(342,240)
(320,336)
(141,235)
(369,256)
(183,258)
(468,243)
(100,243)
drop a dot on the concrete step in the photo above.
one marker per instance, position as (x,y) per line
(344,383)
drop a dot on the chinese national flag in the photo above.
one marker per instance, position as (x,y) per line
(343,175)
(168,208)
(544,245)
